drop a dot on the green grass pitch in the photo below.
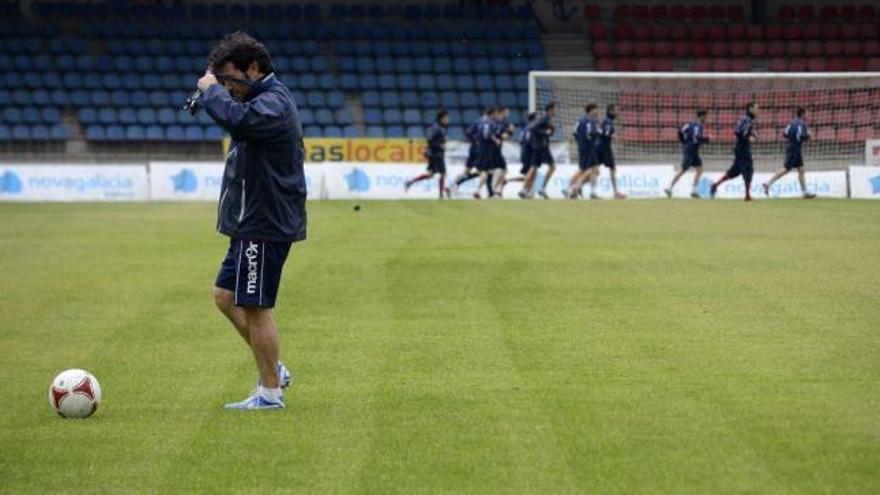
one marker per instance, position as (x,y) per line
(462,347)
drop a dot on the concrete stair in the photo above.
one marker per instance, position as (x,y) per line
(567,51)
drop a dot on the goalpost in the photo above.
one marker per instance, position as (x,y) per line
(843,110)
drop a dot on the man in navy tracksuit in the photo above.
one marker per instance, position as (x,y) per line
(795,134)
(472,133)
(742,152)
(692,136)
(586,134)
(262,199)
(435,154)
(539,133)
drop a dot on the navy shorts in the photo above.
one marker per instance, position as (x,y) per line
(587,160)
(473,158)
(742,165)
(525,157)
(498,161)
(691,160)
(484,157)
(542,156)
(436,165)
(252,270)
(606,156)
(793,160)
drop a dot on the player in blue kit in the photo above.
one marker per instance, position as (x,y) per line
(262,199)
(492,162)
(795,134)
(436,137)
(525,153)
(586,133)
(540,133)
(472,133)
(692,136)
(605,152)
(742,152)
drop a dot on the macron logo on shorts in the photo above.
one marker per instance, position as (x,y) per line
(251,253)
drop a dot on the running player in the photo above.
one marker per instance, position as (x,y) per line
(472,133)
(525,153)
(586,132)
(742,152)
(795,134)
(434,153)
(605,153)
(540,134)
(503,131)
(692,136)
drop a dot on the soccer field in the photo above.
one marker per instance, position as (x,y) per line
(458,347)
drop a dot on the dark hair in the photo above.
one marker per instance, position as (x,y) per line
(701,112)
(590,107)
(488,110)
(550,106)
(501,108)
(242,50)
(611,107)
(532,116)
(441,113)
(751,105)
(800,111)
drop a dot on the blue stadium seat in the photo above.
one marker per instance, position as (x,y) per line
(429,100)
(315,99)
(40,132)
(175,133)
(392,116)
(5,133)
(449,99)
(155,133)
(107,116)
(487,98)
(468,99)
(166,116)
(370,99)
(465,82)
(324,117)
(332,131)
(351,131)
(327,82)
(87,116)
(127,116)
(415,132)
(373,116)
(394,131)
(343,117)
(50,115)
(365,65)
(41,97)
(374,131)
(159,98)
(146,116)
(407,82)
(21,133)
(423,65)
(306,117)
(391,99)
(59,132)
(312,131)
(99,98)
(425,82)
(213,133)
(455,118)
(412,117)
(114,133)
(135,133)
(307,81)
(140,98)
(194,133)
(445,82)
(95,133)
(406,99)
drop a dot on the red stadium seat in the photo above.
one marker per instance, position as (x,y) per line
(846,134)
(774,32)
(785,13)
(854,64)
(623,32)
(869,32)
(625,64)
(867,12)
(816,64)
(699,33)
(643,64)
(639,11)
(644,48)
(625,49)
(662,49)
(664,65)
(679,32)
(659,11)
(736,12)
(757,48)
(592,12)
(716,12)
(812,31)
(792,32)
(838,100)
(871,48)
(849,12)
(621,12)
(740,64)
(678,12)
(852,48)
(776,48)
(825,133)
(865,132)
(833,48)
(830,31)
(778,65)
(598,31)
(602,49)
(794,48)
(605,64)
(835,65)
(813,48)
(716,33)
(642,32)
(702,65)
(798,64)
(739,49)
(755,32)
(629,134)
(681,50)
(736,32)
(700,49)
(629,100)
(850,31)
(661,32)
(829,12)
(719,49)
(697,12)
(806,12)
(873,64)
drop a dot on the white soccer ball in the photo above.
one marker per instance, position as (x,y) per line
(75,394)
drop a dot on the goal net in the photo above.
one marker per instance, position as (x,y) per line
(843,110)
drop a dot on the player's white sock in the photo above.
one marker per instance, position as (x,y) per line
(270,394)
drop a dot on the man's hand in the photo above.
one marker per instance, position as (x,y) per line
(207,81)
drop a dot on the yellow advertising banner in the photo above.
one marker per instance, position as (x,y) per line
(368,150)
